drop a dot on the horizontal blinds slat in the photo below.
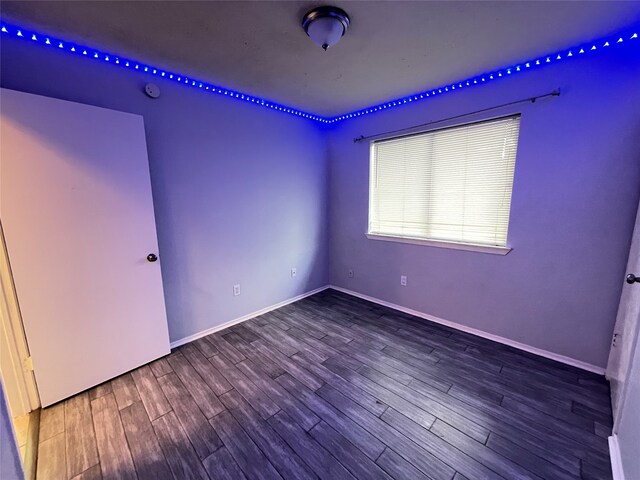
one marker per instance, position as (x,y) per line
(452,184)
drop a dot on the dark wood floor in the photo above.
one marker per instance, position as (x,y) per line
(334,387)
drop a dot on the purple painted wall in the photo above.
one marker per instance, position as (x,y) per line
(575,194)
(240,192)
(10,463)
(242,195)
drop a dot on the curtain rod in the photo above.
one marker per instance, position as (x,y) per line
(555,93)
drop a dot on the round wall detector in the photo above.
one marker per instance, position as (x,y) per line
(152,90)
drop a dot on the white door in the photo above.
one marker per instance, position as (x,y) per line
(77,214)
(627,324)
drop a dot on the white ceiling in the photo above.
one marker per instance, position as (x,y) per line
(392,48)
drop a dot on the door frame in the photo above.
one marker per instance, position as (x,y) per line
(633,337)
(617,415)
(17,376)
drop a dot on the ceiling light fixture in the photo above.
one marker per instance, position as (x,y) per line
(325,25)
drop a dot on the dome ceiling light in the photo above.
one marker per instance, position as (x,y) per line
(325,25)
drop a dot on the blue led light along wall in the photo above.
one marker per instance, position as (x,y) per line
(91,53)
(628,38)
(619,40)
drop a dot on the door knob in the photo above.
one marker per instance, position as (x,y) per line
(631,278)
(152,257)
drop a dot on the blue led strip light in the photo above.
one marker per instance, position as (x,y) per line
(92,53)
(567,54)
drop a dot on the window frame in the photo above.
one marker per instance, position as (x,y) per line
(449,244)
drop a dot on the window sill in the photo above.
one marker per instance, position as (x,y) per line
(493,250)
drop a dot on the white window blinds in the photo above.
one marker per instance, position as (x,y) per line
(452,184)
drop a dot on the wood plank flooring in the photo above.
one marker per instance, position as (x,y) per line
(334,387)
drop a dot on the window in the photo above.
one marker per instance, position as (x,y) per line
(448,185)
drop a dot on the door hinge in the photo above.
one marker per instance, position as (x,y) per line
(28,364)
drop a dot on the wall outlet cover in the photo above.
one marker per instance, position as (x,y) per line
(403,280)
(236,290)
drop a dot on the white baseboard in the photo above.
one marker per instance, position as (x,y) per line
(616,461)
(463,328)
(441,321)
(244,318)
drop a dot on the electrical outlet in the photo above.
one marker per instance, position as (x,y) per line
(350,273)
(294,272)
(236,290)
(403,280)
